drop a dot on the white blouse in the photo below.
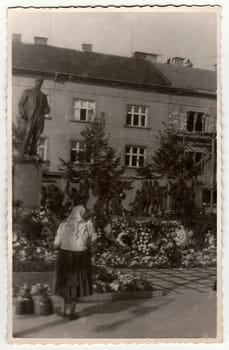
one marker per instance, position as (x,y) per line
(67,239)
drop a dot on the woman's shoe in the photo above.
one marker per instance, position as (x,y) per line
(73,317)
(61,314)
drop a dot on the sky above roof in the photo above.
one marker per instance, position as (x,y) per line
(184,34)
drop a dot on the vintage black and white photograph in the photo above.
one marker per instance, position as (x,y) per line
(114,195)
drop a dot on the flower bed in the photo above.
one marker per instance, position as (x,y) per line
(153,244)
(122,242)
(105,280)
(109,280)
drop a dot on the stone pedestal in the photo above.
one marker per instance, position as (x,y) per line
(27,181)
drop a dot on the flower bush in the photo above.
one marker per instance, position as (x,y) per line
(33,235)
(122,243)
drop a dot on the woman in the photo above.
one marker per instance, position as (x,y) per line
(73,267)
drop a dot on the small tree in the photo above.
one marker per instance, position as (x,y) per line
(104,170)
(105,166)
(170,159)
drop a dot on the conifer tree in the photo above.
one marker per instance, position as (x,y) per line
(103,171)
(170,159)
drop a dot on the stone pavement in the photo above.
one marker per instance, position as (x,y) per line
(187,310)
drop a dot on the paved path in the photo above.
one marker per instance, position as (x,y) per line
(188,310)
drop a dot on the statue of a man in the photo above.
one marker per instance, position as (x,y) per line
(33,106)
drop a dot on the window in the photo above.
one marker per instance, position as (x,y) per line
(49,101)
(196,156)
(135,156)
(193,158)
(195,121)
(137,116)
(206,196)
(79,153)
(43,148)
(84,110)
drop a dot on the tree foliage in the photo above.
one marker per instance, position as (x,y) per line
(170,159)
(104,170)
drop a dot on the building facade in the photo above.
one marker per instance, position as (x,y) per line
(135,95)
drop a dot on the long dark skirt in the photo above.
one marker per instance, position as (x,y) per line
(72,277)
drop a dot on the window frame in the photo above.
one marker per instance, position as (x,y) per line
(139,114)
(74,109)
(137,154)
(195,116)
(78,149)
(214,196)
(194,156)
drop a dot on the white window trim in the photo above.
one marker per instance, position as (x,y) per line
(79,146)
(75,109)
(131,154)
(140,114)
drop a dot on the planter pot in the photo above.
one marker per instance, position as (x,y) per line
(43,305)
(20,306)
(24,306)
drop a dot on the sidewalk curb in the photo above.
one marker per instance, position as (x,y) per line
(101,297)
(123,296)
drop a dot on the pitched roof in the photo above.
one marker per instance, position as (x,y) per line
(111,68)
(188,78)
(89,65)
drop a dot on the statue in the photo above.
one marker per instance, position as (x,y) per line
(33,106)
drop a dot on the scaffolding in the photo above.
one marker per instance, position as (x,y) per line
(205,143)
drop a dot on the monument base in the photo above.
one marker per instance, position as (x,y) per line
(27,182)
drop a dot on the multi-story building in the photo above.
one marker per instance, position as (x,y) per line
(135,94)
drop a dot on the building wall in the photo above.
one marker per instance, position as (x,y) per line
(112,101)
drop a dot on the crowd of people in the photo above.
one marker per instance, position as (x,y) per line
(154,199)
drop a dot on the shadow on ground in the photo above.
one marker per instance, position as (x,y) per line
(135,308)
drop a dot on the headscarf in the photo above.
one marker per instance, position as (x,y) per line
(75,218)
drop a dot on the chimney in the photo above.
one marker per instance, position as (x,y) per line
(16,38)
(39,40)
(87,47)
(151,57)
